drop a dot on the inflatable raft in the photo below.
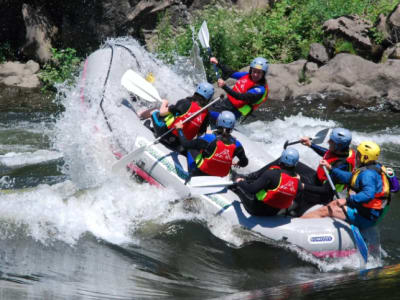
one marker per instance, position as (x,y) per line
(101,88)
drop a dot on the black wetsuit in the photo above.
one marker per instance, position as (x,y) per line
(268,179)
(304,199)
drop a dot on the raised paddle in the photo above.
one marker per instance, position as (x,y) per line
(317,139)
(361,245)
(139,86)
(204,38)
(131,156)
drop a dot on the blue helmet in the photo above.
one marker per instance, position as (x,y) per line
(260,63)
(226,119)
(206,90)
(289,157)
(341,137)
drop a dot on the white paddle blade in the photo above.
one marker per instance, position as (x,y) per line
(204,36)
(125,160)
(139,86)
(209,181)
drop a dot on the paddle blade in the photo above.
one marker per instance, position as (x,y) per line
(125,160)
(204,36)
(209,181)
(320,136)
(361,245)
(139,86)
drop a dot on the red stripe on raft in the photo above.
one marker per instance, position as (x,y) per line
(140,172)
(82,93)
(334,253)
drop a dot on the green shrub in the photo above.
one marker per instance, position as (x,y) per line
(281,34)
(6,53)
(344,46)
(62,67)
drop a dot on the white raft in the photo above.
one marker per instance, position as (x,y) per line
(158,165)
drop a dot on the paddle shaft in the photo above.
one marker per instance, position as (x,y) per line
(318,138)
(188,119)
(293,143)
(214,66)
(331,182)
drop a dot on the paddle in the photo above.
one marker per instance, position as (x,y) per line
(139,86)
(361,245)
(131,156)
(208,184)
(318,139)
(204,38)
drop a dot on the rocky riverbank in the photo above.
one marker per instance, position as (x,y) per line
(334,79)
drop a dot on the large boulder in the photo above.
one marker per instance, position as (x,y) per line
(346,80)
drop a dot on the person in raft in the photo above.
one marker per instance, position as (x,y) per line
(274,190)
(212,154)
(249,91)
(168,115)
(369,194)
(338,155)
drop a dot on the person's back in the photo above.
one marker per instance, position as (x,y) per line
(212,154)
(272,191)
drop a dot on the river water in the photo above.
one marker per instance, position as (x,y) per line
(65,234)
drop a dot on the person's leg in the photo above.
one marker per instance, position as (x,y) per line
(253,206)
(355,218)
(332,210)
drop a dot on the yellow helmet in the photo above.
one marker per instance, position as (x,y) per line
(369,151)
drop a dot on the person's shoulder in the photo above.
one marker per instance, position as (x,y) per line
(209,137)
(369,173)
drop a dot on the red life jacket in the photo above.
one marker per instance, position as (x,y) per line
(242,86)
(283,195)
(220,162)
(191,128)
(381,199)
(333,159)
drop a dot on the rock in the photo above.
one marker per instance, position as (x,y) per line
(39,33)
(394,24)
(19,74)
(318,54)
(353,28)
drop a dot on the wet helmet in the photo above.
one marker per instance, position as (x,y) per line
(289,157)
(369,151)
(226,119)
(341,137)
(206,90)
(260,63)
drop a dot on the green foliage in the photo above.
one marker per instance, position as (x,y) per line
(62,67)
(6,53)
(280,34)
(344,46)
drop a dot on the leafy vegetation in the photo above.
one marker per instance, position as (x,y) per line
(6,52)
(62,67)
(281,34)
